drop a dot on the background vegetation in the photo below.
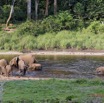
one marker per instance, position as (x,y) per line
(75,24)
(25,38)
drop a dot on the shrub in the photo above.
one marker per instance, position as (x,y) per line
(96,27)
(27,27)
(62,39)
(27,42)
(45,41)
(61,21)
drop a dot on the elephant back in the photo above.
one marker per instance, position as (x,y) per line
(3,63)
(28,58)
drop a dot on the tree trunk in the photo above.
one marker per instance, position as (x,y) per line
(36,9)
(11,12)
(29,9)
(46,9)
(55,7)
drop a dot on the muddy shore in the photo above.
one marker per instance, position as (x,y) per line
(89,53)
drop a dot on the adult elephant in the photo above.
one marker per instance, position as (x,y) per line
(27,58)
(3,64)
(22,67)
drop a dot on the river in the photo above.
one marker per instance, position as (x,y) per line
(65,66)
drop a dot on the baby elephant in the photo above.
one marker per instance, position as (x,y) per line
(3,64)
(35,66)
(8,70)
(5,70)
(22,67)
(100,70)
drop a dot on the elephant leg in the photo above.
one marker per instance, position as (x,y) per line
(24,72)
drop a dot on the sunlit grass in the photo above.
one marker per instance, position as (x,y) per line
(79,40)
(54,91)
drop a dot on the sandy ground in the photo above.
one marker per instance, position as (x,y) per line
(86,53)
(3,78)
(89,53)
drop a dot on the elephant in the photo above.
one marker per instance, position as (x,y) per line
(22,67)
(3,71)
(27,58)
(35,66)
(3,64)
(9,69)
(6,70)
(100,70)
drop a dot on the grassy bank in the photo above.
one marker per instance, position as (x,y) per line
(54,91)
(50,41)
(29,36)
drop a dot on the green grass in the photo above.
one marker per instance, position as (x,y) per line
(29,37)
(54,91)
(50,41)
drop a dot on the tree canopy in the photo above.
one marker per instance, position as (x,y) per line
(79,9)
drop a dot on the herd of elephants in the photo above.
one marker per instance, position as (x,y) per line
(21,64)
(24,63)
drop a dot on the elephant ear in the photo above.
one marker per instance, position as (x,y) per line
(14,61)
(11,62)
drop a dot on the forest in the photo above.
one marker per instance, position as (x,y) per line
(51,24)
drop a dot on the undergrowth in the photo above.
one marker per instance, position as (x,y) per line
(91,37)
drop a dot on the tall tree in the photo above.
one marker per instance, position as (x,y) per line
(55,7)
(28,9)
(46,8)
(11,12)
(36,9)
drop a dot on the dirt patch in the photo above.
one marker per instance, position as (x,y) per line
(2,78)
(67,52)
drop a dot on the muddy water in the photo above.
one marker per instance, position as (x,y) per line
(65,66)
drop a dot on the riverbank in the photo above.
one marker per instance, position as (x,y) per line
(66,52)
(54,91)
(12,78)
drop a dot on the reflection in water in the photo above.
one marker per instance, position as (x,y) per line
(65,66)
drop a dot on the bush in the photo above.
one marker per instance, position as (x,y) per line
(25,28)
(27,42)
(61,21)
(45,41)
(96,27)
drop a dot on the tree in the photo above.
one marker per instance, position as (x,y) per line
(11,12)
(46,8)
(28,9)
(36,9)
(55,7)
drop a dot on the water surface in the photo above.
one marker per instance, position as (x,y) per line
(65,66)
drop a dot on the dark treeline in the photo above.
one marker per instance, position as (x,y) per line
(79,9)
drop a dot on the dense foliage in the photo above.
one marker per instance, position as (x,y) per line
(25,38)
(78,24)
(80,9)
